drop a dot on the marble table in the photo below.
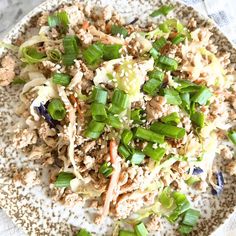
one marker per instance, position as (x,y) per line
(11,11)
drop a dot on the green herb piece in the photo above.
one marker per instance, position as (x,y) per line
(62,79)
(198,119)
(31,55)
(83,232)
(106,169)
(154,53)
(166,198)
(94,129)
(172,118)
(137,157)
(152,86)
(126,233)
(124,151)
(117,29)
(156,74)
(178,39)
(159,43)
(93,54)
(99,95)
(163,10)
(111,51)
(232,136)
(137,116)
(192,180)
(191,217)
(126,136)
(60,20)
(18,80)
(71,50)
(148,135)
(155,153)
(56,109)
(54,55)
(185,98)
(140,229)
(167,63)
(114,121)
(63,180)
(168,130)
(172,96)
(185,229)
(120,102)
(202,96)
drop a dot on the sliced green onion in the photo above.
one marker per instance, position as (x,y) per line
(18,80)
(164,27)
(140,229)
(156,74)
(99,95)
(71,50)
(56,109)
(54,55)
(136,116)
(148,135)
(63,180)
(232,136)
(117,29)
(202,96)
(111,51)
(137,157)
(98,111)
(178,39)
(185,229)
(31,55)
(59,19)
(126,233)
(124,151)
(172,96)
(167,63)
(172,118)
(62,79)
(94,129)
(126,136)
(155,153)
(152,86)
(185,86)
(163,10)
(185,98)
(114,121)
(120,101)
(198,119)
(168,130)
(154,53)
(191,217)
(83,232)
(93,54)
(106,169)
(159,43)
(192,180)
(165,198)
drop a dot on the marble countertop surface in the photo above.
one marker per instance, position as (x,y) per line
(11,11)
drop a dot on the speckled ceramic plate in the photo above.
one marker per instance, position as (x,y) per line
(31,209)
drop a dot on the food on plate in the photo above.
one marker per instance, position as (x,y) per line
(127,117)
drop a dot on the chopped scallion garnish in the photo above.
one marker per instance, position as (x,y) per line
(106,169)
(172,96)
(54,55)
(152,86)
(178,39)
(124,151)
(56,109)
(99,95)
(94,129)
(163,10)
(114,121)
(111,51)
(62,79)
(202,96)
(119,30)
(136,157)
(60,20)
(63,179)
(159,43)
(198,119)
(191,217)
(126,136)
(98,111)
(167,63)
(155,153)
(83,232)
(148,135)
(31,55)
(93,54)
(120,102)
(165,198)
(137,116)
(172,118)
(140,229)
(168,130)
(126,233)
(232,136)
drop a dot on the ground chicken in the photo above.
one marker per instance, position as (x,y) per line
(231,168)
(154,224)
(7,73)
(72,199)
(24,138)
(226,153)
(27,177)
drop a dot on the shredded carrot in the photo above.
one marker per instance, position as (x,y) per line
(85,25)
(114,178)
(74,101)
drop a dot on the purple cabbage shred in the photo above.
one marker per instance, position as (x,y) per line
(220,182)
(197,171)
(42,110)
